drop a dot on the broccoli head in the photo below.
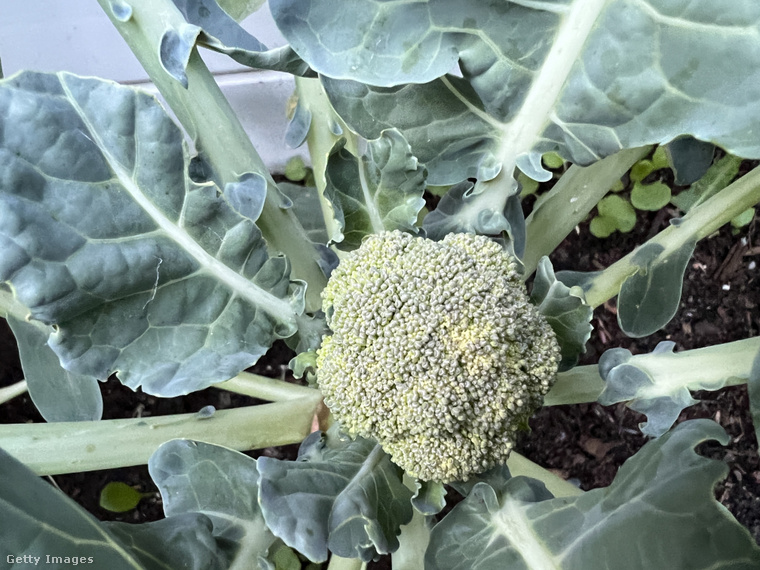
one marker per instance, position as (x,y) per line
(435,352)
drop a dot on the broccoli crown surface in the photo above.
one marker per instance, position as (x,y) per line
(435,352)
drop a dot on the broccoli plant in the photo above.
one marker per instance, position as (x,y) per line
(165,254)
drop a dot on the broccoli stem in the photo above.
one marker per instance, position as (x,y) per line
(728,364)
(519,465)
(339,563)
(321,140)
(9,392)
(413,542)
(69,447)
(701,221)
(579,385)
(265,388)
(211,123)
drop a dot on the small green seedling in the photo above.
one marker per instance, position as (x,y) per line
(119,497)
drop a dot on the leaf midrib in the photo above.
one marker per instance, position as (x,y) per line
(245,288)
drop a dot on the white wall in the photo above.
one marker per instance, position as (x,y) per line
(76,36)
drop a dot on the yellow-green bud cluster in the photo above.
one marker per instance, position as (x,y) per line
(436,352)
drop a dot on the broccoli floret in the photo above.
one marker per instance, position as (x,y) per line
(435,352)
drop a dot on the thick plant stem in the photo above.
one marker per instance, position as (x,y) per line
(413,542)
(212,124)
(68,447)
(698,223)
(728,364)
(570,201)
(264,388)
(9,392)
(580,385)
(339,563)
(519,465)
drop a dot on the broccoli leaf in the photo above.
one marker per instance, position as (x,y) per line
(59,395)
(298,127)
(566,311)
(217,482)
(430,498)
(649,298)
(182,541)
(654,515)
(582,78)
(305,204)
(381,191)
(144,272)
(221,33)
(341,495)
(39,521)
(690,158)
(445,132)
(461,210)
(658,384)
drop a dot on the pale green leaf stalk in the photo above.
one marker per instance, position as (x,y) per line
(7,393)
(68,447)
(570,201)
(210,121)
(701,221)
(659,384)
(241,9)
(321,139)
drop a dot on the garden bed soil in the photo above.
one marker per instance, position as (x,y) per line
(584,443)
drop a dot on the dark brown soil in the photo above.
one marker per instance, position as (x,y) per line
(585,443)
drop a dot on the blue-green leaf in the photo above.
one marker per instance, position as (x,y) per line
(40,521)
(220,32)
(183,541)
(308,209)
(566,311)
(122,11)
(581,78)
(175,49)
(381,191)
(341,495)
(649,298)
(102,233)
(438,119)
(463,210)
(753,388)
(659,512)
(219,483)
(689,158)
(298,127)
(430,498)
(59,395)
